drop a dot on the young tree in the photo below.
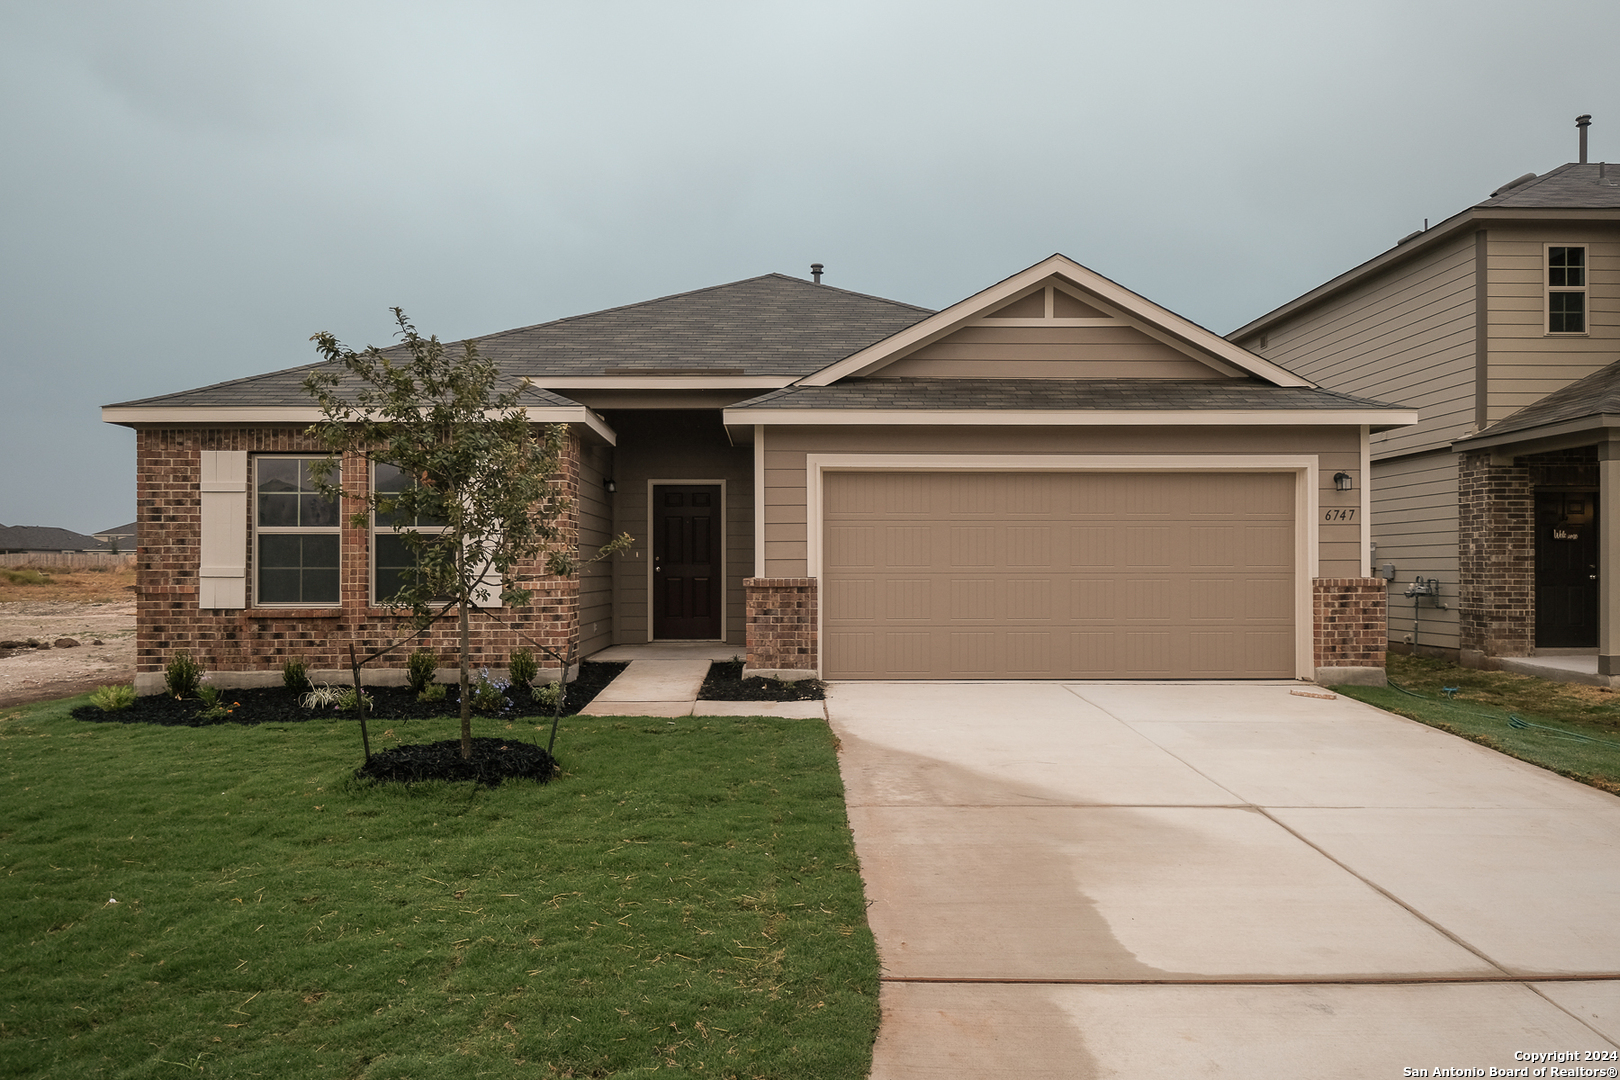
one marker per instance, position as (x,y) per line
(473,464)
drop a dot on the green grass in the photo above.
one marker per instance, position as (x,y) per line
(1577,732)
(685,900)
(26,576)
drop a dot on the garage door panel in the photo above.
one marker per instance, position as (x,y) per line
(1104,576)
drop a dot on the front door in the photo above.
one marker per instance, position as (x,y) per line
(687,528)
(1566,569)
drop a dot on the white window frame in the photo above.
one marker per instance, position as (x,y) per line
(1549,290)
(261,530)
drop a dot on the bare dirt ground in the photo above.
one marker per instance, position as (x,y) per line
(84,605)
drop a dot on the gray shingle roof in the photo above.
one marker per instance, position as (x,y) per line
(1573,186)
(46,538)
(773,325)
(1596,395)
(1075,394)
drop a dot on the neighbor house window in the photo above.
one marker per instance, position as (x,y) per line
(1566,290)
(392,561)
(296,535)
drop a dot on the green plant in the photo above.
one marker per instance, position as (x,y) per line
(487,694)
(113,698)
(420,667)
(27,576)
(433,692)
(548,694)
(295,677)
(345,700)
(523,668)
(183,675)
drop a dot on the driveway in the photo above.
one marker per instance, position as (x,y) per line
(1179,880)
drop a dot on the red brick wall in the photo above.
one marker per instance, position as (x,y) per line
(260,639)
(781,631)
(1349,615)
(1496,556)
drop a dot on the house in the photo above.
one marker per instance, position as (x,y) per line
(45,539)
(1501,326)
(119,537)
(1053,478)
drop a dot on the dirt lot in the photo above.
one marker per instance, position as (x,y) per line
(86,606)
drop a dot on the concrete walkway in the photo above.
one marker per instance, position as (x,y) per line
(1570,666)
(663,679)
(1156,880)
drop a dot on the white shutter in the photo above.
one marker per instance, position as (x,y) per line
(222,575)
(487,593)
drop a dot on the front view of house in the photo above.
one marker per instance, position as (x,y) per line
(1054,478)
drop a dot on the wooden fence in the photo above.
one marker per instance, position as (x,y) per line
(70,560)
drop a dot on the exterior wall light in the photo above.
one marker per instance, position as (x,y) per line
(607,482)
(1342,481)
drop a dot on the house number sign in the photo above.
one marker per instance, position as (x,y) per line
(1338,516)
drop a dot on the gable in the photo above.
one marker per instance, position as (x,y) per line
(1050,332)
(1056,320)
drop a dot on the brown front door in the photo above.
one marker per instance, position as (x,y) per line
(686,561)
(1566,569)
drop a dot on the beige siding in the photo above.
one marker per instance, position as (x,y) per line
(595,529)
(1053,352)
(787,448)
(677,445)
(1414,503)
(1526,363)
(1405,336)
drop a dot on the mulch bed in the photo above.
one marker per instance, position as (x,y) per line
(493,760)
(277,705)
(725,682)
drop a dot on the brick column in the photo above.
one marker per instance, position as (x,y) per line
(1349,633)
(1496,555)
(781,630)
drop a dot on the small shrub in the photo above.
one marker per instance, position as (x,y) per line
(183,676)
(295,677)
(434,692)
(345,701)
(523,669)
(113,698)
(487,694)
(547,695)
(28,576)
(420,667)
(321,697)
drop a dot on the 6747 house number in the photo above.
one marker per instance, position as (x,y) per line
(1338,517)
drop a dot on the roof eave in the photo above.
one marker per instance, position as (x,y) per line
(217,415)
(1559,431)
(1376,419)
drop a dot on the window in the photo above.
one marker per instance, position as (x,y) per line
(1566,290)
(296,535)
(392,560)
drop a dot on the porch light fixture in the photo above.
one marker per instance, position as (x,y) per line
(1341,480)
(607,482)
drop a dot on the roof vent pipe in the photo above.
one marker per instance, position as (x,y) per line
(1583,122)
(815,268)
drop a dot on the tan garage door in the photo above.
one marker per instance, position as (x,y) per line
(933,575)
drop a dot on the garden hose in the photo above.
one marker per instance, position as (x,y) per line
(1514,720)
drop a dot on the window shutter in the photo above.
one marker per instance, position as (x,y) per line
(487,593)
(222,575)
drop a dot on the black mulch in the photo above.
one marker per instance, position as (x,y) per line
(277,705)
(493,760)
(725,682)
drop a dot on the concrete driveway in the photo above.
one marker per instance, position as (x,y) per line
(1180,880)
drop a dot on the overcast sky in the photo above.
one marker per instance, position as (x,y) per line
(189,190)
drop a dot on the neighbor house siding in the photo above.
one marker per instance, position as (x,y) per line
(1414,515)
(1404,336)
(1526,363)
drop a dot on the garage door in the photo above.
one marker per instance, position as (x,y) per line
(937,575)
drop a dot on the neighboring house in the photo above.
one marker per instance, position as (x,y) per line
(45,540)
(1500,325)
(1054,478)
(119,538)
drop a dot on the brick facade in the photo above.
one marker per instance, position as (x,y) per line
(227,640)
(1349,628)
(781,625)
(1496,558)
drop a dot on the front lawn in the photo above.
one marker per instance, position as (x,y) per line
(1568,728)
(228,901)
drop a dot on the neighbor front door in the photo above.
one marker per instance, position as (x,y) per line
(1566,569)
(687,529)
